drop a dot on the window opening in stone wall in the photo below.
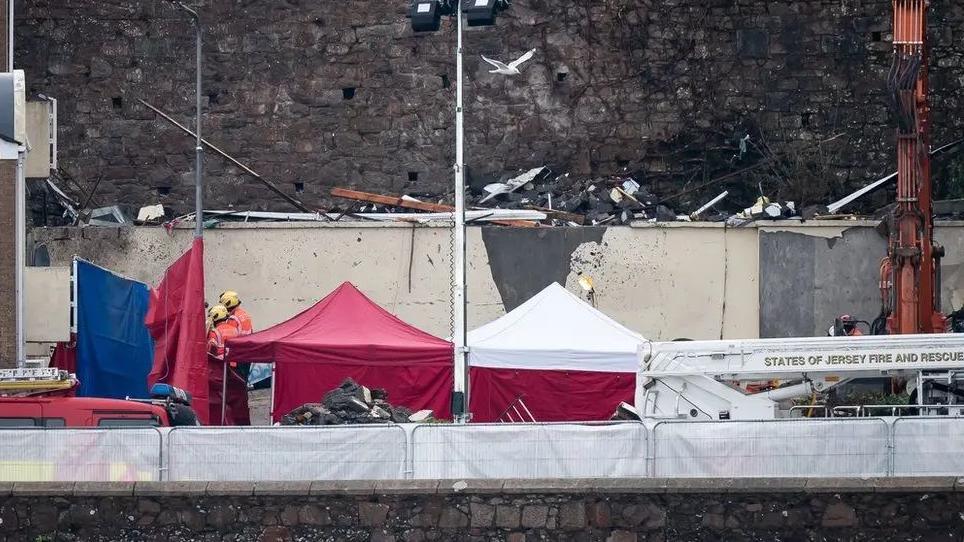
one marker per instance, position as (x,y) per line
(445,80)
(876,36)
(117,102)
(299,187)
(412,176)
(348,93)
(163,190)
(561,76)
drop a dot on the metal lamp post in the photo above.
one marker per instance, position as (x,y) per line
(198,147)
(426,16)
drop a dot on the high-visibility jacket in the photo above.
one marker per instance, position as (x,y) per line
(218,336)
(242,321)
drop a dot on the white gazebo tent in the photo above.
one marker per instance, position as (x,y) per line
(555,354)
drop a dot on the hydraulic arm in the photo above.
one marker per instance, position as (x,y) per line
(910,274)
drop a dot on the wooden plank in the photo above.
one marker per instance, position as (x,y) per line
(418,205)
(560,215)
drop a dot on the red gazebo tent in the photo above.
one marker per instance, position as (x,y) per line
(347,335)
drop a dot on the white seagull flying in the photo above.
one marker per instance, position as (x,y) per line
(509,69)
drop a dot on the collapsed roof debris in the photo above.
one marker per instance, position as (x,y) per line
(352,403)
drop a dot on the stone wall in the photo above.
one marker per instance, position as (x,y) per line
(8,267)
(613,510)
(318,94)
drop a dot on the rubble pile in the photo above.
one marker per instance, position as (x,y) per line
(600,200)
(618,199)
(352,403)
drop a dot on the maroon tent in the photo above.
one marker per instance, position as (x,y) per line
(347,335)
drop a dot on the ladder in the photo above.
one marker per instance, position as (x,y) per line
(13,381)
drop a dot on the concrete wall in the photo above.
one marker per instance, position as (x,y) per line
(664,282)
(810,275)
(614,510)
(47,304)
(699,281)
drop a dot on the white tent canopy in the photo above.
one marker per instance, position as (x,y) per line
(555,330)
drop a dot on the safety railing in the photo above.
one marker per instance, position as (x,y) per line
(928,446)
(772,448)
(529,450)
(909,446)
(80,455)
(357,452)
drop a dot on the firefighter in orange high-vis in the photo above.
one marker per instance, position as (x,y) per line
(241,320)
(236,409)
(236,314)
(221,330)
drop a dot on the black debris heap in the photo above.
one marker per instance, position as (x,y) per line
(352,403)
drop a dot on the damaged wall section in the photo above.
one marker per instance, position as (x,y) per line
(695,281)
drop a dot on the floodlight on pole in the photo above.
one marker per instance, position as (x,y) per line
(426,16)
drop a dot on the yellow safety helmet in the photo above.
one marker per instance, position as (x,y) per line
(218,313)
(229,299)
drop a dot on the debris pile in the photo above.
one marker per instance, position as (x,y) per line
(352,403)
(593,201)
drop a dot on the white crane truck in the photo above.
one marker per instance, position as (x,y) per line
(706,380)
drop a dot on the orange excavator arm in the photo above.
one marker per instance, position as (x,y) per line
(910,274)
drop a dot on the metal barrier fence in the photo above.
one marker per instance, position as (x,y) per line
(909,446)
(777,448)
(928,446)
(526,450)
(366,452)
(79,455)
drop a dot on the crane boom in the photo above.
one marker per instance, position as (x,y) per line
(910,274)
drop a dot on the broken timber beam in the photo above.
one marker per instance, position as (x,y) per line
(418,205)
(295,203)
(560,215)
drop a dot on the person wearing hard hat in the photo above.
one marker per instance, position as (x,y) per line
(236,314)
(845,326)
(240,319)
(221,329)
(237,398)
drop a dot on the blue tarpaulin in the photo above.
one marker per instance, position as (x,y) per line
(114,348)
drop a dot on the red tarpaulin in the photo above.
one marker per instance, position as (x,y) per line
(64,356)
(550,396)
(176,320)
(347,335)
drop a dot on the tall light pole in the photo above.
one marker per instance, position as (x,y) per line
(198,147)
(460,396)
(426,16)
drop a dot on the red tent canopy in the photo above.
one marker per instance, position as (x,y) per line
(347,335)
